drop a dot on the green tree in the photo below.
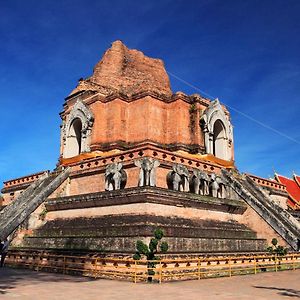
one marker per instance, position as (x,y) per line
(150,250)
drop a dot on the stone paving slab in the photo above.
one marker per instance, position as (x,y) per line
(26,284)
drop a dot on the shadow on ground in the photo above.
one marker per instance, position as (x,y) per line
(282,291)
(9,278)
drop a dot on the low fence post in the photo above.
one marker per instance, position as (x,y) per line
(229,262)
(275,263)
(160,272)
(255,266)
(64,266)
(199,270)
(293,261)
(135,264)
(96,266)
(39,262)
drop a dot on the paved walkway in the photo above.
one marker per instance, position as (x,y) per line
(26,284)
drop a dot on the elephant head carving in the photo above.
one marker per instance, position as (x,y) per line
(178,178)
(115,177)
(217,186)
(199,182)
(147,174)
(222,192)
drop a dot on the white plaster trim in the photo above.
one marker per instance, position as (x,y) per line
(213,113)
(82,112)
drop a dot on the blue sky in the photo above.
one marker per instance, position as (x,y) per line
(245,52)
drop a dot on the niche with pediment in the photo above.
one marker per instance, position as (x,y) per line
(217,129)
(76,130)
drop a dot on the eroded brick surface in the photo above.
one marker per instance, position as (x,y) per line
(128,71)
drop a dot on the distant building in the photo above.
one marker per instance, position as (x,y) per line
(293,189)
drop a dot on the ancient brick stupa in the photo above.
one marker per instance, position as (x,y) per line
(134,157)
(128,103)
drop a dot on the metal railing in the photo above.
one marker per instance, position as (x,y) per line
(158,270)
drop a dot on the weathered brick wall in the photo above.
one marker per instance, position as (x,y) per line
(145,119)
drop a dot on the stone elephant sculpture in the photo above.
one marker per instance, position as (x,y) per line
(222,192)
(115,177)
(147,175)
(217,186)
(178,179)
(199,182)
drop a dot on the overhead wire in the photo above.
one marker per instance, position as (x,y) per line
(236,110)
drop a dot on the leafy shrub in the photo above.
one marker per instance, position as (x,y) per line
(150,250)
(277,249)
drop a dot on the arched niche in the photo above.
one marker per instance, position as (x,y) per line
(76,130)
(73,140)
(219,140)
(217,131)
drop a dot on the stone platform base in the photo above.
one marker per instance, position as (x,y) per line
(113,221)
(119,233)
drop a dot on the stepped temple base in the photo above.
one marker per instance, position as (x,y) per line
(109,222)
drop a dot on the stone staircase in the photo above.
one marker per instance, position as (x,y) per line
(278,218)
(16,212)
(296,215)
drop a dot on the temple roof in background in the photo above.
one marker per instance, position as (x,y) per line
(293,189)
